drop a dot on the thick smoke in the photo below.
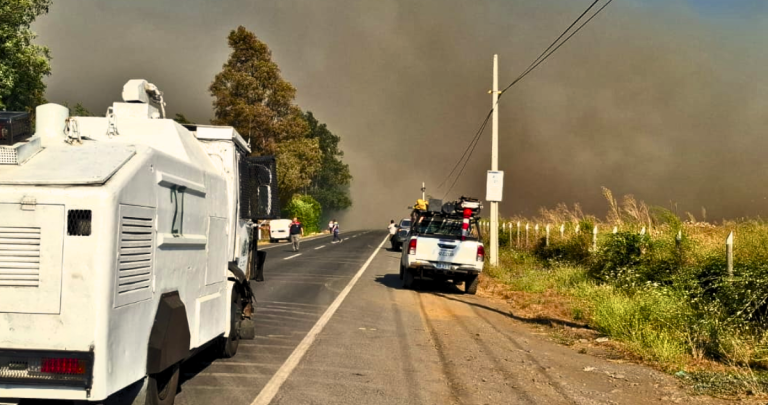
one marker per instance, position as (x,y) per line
(652,98)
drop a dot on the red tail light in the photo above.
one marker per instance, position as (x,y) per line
(63,366)
(412,247)
(480,253)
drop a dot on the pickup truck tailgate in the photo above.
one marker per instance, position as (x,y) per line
(446,250)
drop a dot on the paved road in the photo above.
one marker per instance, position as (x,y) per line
(386,345)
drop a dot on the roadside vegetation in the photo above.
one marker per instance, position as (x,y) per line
(658,285)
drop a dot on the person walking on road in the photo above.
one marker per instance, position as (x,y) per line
(335,229)
(392,232)
(297,231)
(330,226)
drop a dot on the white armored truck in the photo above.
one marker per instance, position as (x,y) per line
(125,247)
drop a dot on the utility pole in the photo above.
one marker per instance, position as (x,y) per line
(495,162)
(423,190)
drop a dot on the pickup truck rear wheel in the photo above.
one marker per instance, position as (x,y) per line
(408,278)
(162,387)
(470,284)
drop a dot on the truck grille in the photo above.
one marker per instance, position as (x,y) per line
(19,257)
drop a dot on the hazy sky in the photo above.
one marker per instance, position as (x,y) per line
(664,99)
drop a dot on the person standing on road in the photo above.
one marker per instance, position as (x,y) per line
(330,226)
(335,229)
(297,231)
(392,228)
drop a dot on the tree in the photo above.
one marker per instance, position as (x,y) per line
(181,119)
(22,64)
(251,96)
(307,209)
(298,160)
(78,110)
(330,186)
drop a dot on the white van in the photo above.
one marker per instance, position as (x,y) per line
(279,229)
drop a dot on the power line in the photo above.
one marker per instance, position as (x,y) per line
(538,61)
(477,134)
(473,144)
(556,48)
(563,34)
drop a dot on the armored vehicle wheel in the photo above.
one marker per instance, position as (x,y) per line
(162,387)
(408,278)
(470,284)
(232,342)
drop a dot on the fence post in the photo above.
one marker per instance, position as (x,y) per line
(526,234)
(510,235)
(642,231)
(547,242)
(577,228)
(518,234)
(729,253)
(594,239)
(536,231)
(562,231)
(615,230)
(679,238)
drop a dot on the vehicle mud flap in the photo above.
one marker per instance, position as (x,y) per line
(247,329)
(169,339)
(261,257)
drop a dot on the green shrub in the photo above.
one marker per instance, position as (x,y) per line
(574,250)
(307,209)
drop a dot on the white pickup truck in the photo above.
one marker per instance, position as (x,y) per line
(436,249)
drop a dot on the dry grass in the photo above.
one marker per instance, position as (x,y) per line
(673,305)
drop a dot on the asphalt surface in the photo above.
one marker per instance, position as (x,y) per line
(387,345)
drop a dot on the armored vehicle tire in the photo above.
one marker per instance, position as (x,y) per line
(408,278)
(470,284)
(162,387)
(232,342)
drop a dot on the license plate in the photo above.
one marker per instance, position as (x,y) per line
(443,265)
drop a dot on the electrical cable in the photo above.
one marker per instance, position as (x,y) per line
(556,48)
(474,139)
(538,61)
(563,34)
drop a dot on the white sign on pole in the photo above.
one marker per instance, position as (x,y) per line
(494,186)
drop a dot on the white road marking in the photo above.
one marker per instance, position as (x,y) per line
(291,257)
(346,238)
(320,247)
(273,386)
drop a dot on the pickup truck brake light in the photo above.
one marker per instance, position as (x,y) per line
(412,247)
(480,253)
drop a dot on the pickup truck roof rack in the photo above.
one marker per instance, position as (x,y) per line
(458,207)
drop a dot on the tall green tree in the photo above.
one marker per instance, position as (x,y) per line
(22,64)
(251,95)
(330,185)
